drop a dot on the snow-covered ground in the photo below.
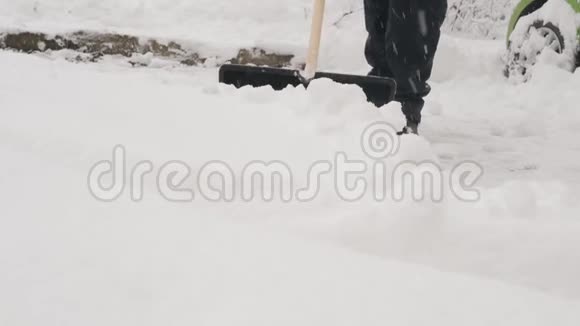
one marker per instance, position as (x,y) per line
(189,19)
(510,258)
(219,27)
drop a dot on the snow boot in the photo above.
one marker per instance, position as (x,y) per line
(412,110)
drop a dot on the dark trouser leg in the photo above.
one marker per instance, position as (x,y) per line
(412,36)
(403,39)
(376,16)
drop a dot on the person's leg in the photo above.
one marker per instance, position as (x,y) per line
(412,109)
(376,14)
(412,36)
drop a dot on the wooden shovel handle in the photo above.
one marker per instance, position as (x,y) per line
(315,34)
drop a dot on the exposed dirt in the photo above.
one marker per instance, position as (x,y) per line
(95,45)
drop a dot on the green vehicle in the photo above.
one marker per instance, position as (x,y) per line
(537,25)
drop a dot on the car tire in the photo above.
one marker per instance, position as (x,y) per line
(523,53)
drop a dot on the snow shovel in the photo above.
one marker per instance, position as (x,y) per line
(378,90)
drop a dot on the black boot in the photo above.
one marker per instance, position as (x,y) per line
(412,110)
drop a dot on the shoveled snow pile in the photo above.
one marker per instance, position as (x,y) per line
(512,257)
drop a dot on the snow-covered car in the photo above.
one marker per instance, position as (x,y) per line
(538,25)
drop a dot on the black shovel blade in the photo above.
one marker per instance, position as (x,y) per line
(379,90)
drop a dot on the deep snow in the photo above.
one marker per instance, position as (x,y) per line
(511,258)
(69,259)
